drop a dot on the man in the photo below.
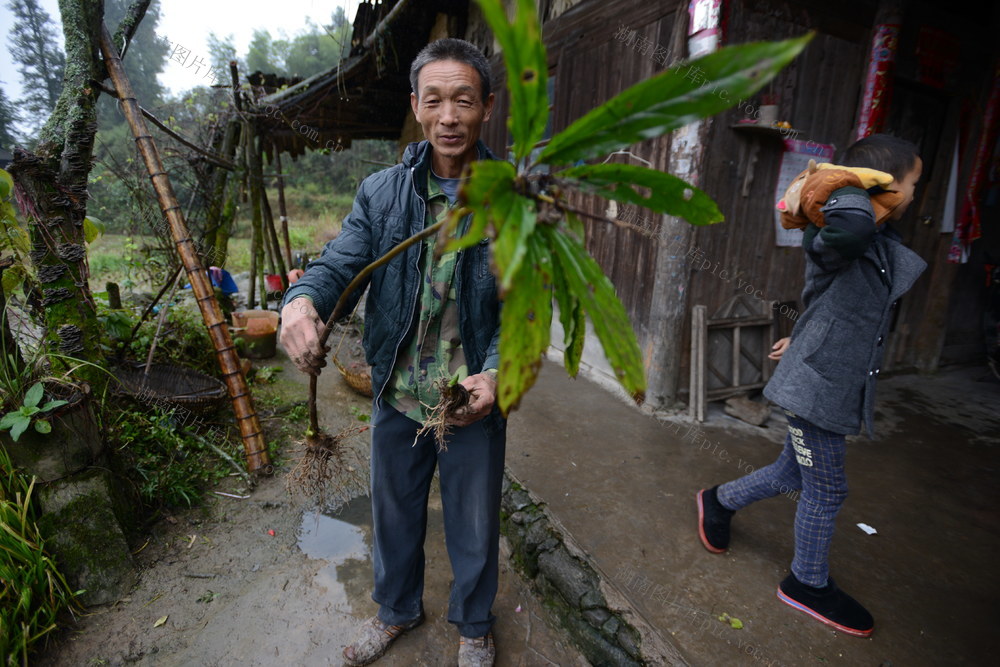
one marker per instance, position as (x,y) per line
(426,318)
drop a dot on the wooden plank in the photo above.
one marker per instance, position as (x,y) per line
(699,336)
(726,392)
(736,356)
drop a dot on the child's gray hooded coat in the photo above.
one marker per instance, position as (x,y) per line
(855,273)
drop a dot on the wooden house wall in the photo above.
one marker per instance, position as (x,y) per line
(817,94)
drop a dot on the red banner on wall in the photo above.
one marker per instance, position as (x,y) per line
(878,80)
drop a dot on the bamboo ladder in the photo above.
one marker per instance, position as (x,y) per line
(225,351)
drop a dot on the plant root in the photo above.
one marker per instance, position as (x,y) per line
(454,398)
(329,473)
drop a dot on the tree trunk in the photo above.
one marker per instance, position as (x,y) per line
(255,177)
(78,510)
(221,207)
(51,190)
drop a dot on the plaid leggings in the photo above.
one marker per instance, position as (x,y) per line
(813,461)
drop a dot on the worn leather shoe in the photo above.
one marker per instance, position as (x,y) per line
(374,639)
(477,652)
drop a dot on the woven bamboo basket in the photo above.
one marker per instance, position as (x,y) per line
(174,386)
(358,379)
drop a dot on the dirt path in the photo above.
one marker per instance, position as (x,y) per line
(233,593)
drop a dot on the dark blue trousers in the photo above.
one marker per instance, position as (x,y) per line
(471,472)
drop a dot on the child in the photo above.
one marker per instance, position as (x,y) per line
(856,269)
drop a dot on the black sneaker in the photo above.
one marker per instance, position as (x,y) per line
(829,605)
(713,521)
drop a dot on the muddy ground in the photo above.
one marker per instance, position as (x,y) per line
(264,580)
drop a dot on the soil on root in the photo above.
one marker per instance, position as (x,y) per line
(328,472)
(454,399)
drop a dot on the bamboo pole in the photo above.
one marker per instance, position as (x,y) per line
(282,211)
(269,247)
(272,234)
(255,183)
(219,227)
(225,351)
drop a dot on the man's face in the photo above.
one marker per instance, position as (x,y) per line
(450,107)
(907,185)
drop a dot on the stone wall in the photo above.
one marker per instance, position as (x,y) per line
(570,588)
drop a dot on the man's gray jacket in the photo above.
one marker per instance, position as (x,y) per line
(854,276)
(390,206)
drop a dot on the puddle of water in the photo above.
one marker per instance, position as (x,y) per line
(345,543)
(337,539)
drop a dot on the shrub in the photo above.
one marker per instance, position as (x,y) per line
(173,467)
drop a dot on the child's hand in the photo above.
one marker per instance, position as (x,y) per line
(779,348)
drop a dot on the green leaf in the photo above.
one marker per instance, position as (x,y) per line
(92,228)
(525,325)
(43,426)
(527,71)
(34,395)
(51,405)
(511,243)
(18,427)
(497,211)
(666,193)
(13,277)
(588,283)
(6,185)
(488,180)
(672,99)
(572,317)
(17,236)
(9,420)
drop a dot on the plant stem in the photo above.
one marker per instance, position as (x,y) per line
(218,450)
(159,325)
(338,310)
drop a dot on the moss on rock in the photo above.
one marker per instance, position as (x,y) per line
(82,531)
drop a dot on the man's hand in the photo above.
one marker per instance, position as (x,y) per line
(300,332)
(779,348)
(483,394)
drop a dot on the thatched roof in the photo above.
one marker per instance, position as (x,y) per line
(367,95)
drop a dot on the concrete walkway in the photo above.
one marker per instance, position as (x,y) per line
(622,484)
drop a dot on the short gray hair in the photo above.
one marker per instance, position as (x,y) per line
(458,50)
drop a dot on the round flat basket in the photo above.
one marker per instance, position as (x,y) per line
(173,385)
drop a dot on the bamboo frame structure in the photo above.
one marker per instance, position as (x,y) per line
(232,373)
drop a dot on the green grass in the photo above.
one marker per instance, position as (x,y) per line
(33,594)
(121,258)
(172,467)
